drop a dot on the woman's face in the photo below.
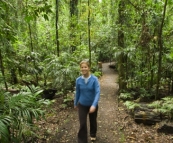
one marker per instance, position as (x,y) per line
(85,70)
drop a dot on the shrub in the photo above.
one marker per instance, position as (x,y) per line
(17,113)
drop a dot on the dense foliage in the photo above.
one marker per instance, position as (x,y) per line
(43,41)
(18,113)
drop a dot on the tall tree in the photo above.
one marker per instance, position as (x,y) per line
(160,46)
(122,56)
(56,25)
(89,38)
(73,22)
(2,70)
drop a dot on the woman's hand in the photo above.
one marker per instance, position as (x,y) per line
(92,109)
(75,107)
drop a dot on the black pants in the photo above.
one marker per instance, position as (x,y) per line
(83,112)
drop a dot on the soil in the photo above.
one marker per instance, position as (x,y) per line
(115,124)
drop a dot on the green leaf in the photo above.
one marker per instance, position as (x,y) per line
(131,105)
(29,18)
(4,123)
(46,17)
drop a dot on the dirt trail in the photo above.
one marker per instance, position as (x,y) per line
(107,114)
(108,107)
(115,125)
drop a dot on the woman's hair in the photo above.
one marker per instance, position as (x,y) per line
(85,62)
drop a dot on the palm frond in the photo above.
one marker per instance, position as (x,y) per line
(4,125)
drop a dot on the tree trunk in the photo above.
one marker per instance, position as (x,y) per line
(2,71)
(56,25)
(122,61)
(14,79)
(74,17)
(160,45)
(30,35)
(89,38)
(146,115)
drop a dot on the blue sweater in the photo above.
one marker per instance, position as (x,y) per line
(87,94)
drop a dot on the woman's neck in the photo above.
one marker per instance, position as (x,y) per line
(86,75)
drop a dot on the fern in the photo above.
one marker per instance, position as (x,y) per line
(161,110)
(156,104)
(131,105)
(164,106)
(126,96)
(168,99)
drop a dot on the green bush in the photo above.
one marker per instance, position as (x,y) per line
(17,113)
(164,106)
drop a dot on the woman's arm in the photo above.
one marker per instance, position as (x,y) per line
(97,92)
(77,94)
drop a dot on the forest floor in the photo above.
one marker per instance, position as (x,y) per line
(115,125)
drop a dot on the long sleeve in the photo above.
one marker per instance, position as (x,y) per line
(97,93)
(77,94)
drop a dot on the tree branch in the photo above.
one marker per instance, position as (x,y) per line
(136,7)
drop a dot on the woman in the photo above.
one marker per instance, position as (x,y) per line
(86,101)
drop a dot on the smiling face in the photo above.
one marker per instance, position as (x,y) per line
(85,69)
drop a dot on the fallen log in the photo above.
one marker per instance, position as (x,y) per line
(146,115)
(12,91)
(167,129)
